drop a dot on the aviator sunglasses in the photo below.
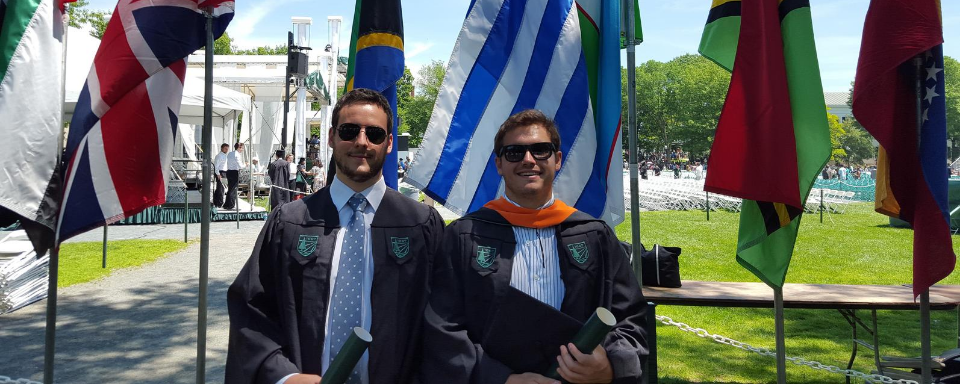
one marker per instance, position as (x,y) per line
(516,152)
(350,131)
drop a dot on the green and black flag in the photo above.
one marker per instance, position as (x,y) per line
(774,118)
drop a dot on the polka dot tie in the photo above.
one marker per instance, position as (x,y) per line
(347,300)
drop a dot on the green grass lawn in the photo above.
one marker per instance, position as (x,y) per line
(856,247)
(82,262)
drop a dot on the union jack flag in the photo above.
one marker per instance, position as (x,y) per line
(118,153)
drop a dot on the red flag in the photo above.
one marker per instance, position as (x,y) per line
(885,103)
(755,135)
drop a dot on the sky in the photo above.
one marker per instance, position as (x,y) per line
(670,28)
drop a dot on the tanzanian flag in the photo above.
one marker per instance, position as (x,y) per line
(376,60)
(774,117)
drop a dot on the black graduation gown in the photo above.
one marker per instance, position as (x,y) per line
(279,173)
(278,303)
(466,297)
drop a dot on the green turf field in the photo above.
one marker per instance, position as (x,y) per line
(856,247)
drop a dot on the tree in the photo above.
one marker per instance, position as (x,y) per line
(417,109)
(856,142)
(404,96)
(262,51)
(223,45)
(430,78)
(79,16)
(951,73)
(678,102)
(837,151)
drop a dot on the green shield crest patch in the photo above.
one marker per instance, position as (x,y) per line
(579,251)
(401,246)
(485,256)
(307,245)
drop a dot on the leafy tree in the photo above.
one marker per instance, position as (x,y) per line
(223,45)
(857,143)
(430,78)
(951,73)
(678,102)
(404,95)
(263,51)
(837,151)
(416,110)
(80,15)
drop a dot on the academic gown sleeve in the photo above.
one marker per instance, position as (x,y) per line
(254,354)
(450,355)
(626,343)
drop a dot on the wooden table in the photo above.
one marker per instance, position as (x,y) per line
(847,299)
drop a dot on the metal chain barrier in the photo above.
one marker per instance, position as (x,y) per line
(870,378)
(6,380)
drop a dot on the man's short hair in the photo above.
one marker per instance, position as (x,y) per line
(279,154)
(224,145)
(363,96)
(524,119)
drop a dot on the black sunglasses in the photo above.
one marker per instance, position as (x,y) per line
(349,132)
(516,152)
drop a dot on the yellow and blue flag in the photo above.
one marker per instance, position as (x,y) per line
(376,60)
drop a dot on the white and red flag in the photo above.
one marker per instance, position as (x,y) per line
(118,153)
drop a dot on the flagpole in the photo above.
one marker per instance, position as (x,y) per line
(926,375)
(205,201)
(781,344)
(53,266)
(632,127)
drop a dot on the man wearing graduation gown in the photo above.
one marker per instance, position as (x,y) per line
(354,254)
(279,172)
(531,242)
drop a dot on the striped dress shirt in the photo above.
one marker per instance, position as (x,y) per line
(536,263)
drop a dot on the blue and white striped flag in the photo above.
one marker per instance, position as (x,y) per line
(513,55)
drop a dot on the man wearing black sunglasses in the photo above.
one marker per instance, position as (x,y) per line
(353,254)
(519,276)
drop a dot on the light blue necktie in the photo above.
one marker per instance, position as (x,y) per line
(347,301)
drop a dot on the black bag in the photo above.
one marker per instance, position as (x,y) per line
(661,267)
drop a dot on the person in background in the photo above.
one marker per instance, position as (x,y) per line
(292,178)
(279,172)
(219,173)
(319,175)
(234,164)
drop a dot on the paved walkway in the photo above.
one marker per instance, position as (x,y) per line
(138,325)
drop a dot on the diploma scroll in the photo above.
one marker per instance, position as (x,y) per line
(347,358)
(589,337)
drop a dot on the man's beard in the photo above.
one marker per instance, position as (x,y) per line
(375,162)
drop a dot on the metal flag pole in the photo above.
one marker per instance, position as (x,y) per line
(926,375)
(780,339)
(53,266)
(104,264)
(207,139)
(286,95)
(632,128)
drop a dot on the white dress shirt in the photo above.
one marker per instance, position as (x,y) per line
(235,161)
(536,263)
(340,193)
(220,162)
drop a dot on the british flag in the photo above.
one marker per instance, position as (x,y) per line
(118,153)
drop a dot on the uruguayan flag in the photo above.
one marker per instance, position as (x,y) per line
(513,55)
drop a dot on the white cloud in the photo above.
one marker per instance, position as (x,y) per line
(243,25)
(411,50)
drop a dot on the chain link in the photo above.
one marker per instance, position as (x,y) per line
(870,378)
(7,380)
